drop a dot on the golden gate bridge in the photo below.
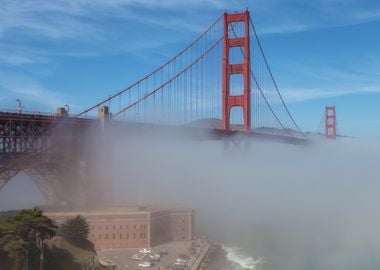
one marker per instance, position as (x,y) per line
(219,87)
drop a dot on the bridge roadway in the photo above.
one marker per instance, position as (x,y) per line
(35,132)
(52,150)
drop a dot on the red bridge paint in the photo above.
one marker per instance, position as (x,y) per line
(330,122)
(244,68)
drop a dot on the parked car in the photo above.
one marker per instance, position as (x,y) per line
(145,251)
(183,261)
(155,257)
(138,257)
(146,264)
(179,266)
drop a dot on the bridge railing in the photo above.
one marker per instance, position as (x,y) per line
(39,114)
(12,111)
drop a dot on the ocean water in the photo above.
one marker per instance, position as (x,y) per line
(239,260)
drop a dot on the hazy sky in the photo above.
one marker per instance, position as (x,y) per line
(76,52)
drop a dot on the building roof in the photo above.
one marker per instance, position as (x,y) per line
(122,210)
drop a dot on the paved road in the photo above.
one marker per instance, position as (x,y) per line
(122,257)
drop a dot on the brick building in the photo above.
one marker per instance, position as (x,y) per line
(134,227)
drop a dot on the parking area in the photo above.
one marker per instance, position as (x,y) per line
(174,256)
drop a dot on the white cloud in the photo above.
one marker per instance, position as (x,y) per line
(307,79)
(93,27)
(32,93)
(74,19)
(282,16)
(15,59)
(300,95)
(25,27)
(87,22)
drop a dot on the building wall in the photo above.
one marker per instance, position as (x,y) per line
(182,225)
(118,233)
(160,228)
(126,229)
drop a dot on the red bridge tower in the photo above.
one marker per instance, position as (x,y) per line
(244,68)
(330,122)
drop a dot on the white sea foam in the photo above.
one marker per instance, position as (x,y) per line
(241,261)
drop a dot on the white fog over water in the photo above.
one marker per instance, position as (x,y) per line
(279,207)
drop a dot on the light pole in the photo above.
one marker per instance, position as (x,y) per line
(19,105)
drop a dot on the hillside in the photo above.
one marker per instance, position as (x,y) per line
(61,254)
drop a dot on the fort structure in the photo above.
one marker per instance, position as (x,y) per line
(134,227)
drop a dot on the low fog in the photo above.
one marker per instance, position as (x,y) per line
(294,207)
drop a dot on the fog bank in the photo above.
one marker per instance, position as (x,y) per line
(293,207)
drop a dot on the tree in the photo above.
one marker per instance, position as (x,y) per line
(33,221)
(75,230)
(21,238)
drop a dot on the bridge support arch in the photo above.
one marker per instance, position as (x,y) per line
(60,180)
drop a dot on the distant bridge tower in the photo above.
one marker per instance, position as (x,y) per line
(330,122)
(228,69)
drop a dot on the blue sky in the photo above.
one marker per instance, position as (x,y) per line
(77,52)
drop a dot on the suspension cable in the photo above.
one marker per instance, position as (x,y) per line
(180,72)
(260,89)
(272,77)
(171,79)
(153,72)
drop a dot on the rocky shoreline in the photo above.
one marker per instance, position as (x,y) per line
(216,259)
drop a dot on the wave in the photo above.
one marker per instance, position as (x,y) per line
(240,261)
